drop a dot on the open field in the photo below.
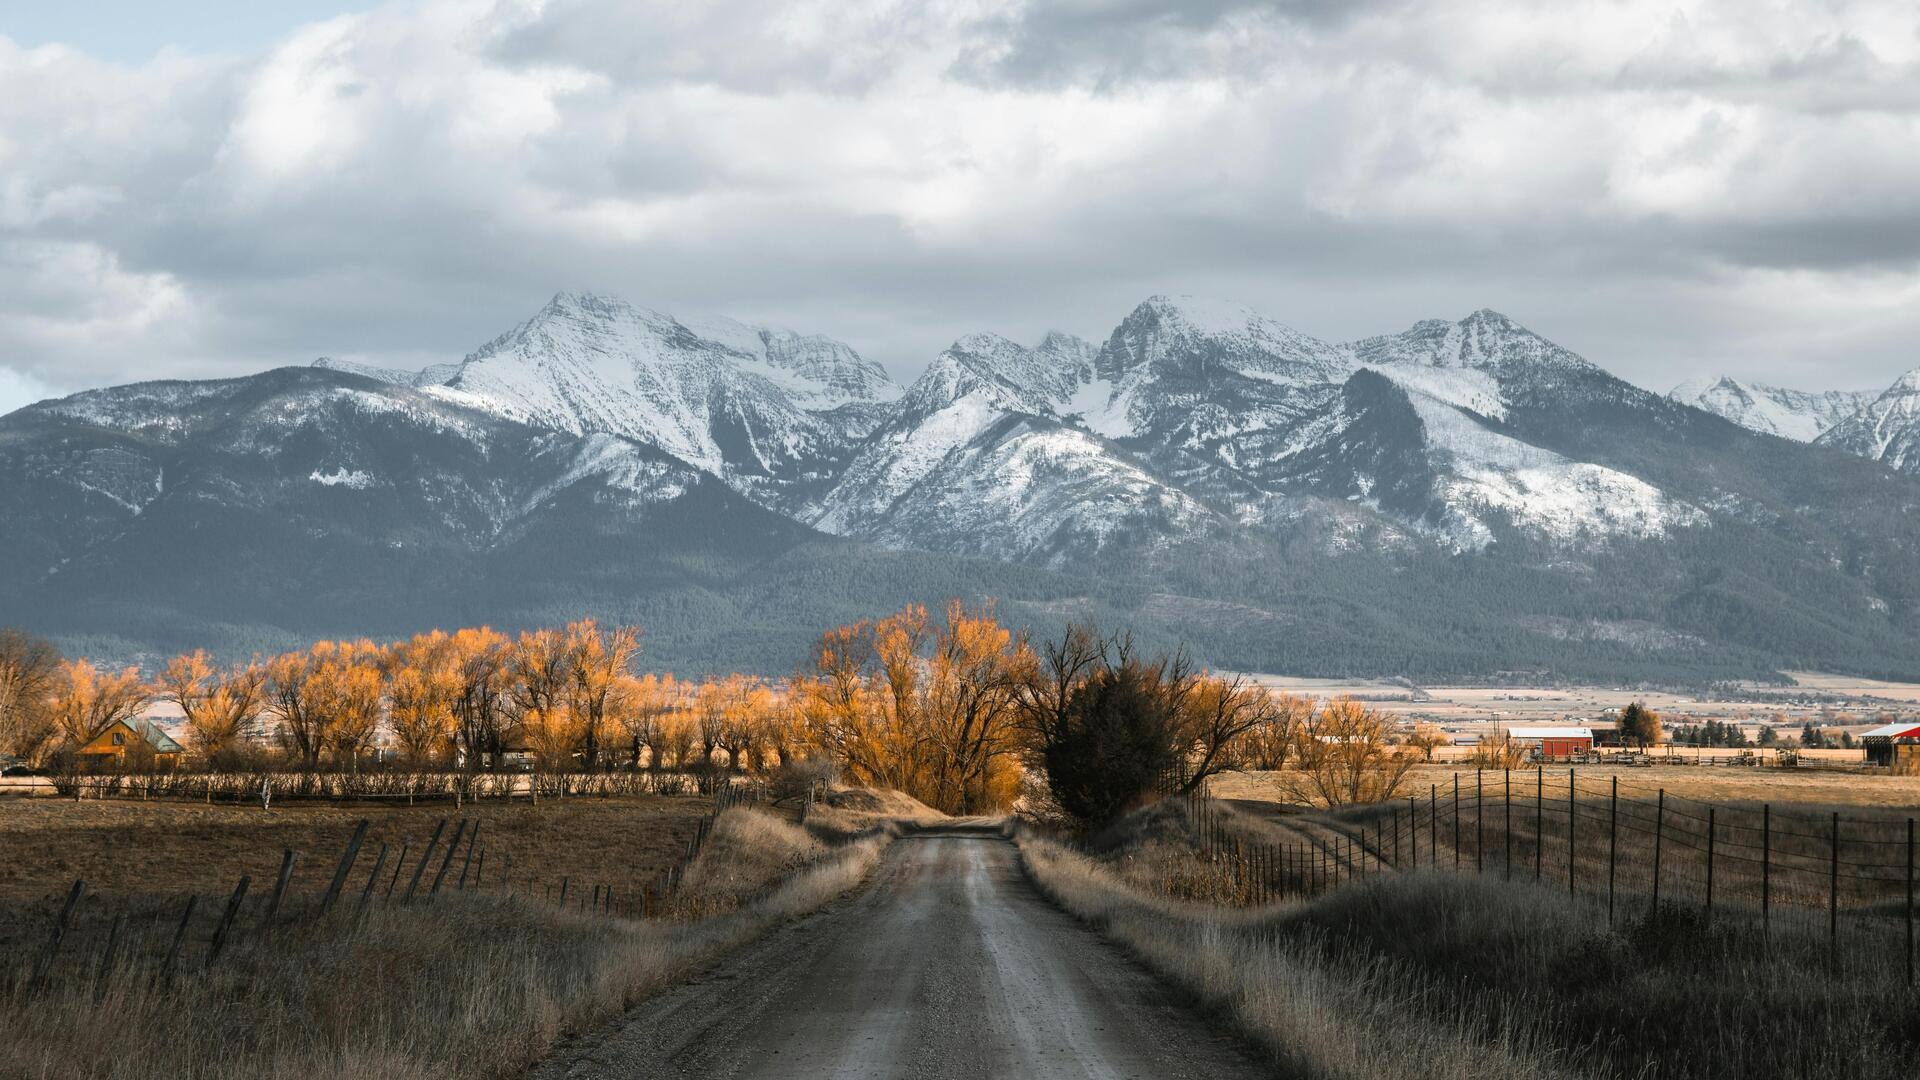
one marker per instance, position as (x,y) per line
(129,847)
(1811,789)
(1816,698)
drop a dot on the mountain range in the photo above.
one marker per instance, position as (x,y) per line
(1462,499)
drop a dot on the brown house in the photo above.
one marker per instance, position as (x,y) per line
(137,742)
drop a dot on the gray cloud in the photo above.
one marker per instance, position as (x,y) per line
(1735,191)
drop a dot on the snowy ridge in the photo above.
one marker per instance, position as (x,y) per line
(1771,410)
(1886,429)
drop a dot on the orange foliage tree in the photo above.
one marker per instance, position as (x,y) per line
(921,705)
(219,705)
(86,700)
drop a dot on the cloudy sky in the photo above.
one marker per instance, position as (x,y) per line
(204,188)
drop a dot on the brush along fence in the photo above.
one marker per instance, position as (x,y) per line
(1640,848)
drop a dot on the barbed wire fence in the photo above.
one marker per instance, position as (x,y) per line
(1641,851)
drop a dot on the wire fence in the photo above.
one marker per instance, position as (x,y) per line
(1641,849)
(408,787)
(143,941)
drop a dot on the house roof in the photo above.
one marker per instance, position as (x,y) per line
(1907,730)
(160,741)
(1550,732)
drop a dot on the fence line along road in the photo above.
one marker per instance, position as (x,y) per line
(1641,849)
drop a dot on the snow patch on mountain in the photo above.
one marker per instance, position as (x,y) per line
(1771,410)
(354,479)
(1538,490)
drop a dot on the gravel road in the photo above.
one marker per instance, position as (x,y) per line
(950,965)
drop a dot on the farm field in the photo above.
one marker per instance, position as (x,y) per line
(1804,788)
(128,847)
(1815,697)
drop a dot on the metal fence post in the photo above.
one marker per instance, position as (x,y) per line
(1712,828)
(1539,818)
(1766,871)
(1659,833)
(1833,893)
(1413,829)
(1433,825)
(1613,843)
(1573,811)
(1456,821)
(1909,901)
(1506,827)
(1479,834)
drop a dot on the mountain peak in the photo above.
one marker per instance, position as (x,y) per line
(1185,336)
(1485,340)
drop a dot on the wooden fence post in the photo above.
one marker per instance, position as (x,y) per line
(226,920)
(107,957)
(172,959)
(399,864)
(563,891)
(420,870)
(366,894)
(472,839)
(447,863)
(480,866)
(60,924)
(287,859)
(346,864)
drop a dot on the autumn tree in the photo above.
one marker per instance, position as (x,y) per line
(1347,757)
(598,665)
(539,673)
(1427,735)
(648,701)
(1640,726)
(923,706)
(1270,743)
(424,689)
(327,699)
(29,674)
(86,700)
(220,705)
(481,705)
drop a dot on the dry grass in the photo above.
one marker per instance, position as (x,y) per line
(1342,1019)
(475,984)
(1426,970)
(127,848)
(1805,788)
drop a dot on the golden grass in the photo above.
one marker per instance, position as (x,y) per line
(476,984)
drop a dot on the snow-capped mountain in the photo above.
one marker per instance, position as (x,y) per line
(767,410)
(1885,429)
(1452,489)
(1771,410)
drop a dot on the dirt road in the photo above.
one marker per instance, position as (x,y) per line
(950,965)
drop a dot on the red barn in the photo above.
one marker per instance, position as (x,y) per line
(1883,744)
(1554,743)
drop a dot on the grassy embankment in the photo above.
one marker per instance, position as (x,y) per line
(475,983)
(1435,974)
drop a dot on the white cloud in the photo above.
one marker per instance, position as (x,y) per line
(17,389)
(1636,178)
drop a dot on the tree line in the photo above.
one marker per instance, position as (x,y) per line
(954,708)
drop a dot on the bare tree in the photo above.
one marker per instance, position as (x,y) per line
(29,672)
